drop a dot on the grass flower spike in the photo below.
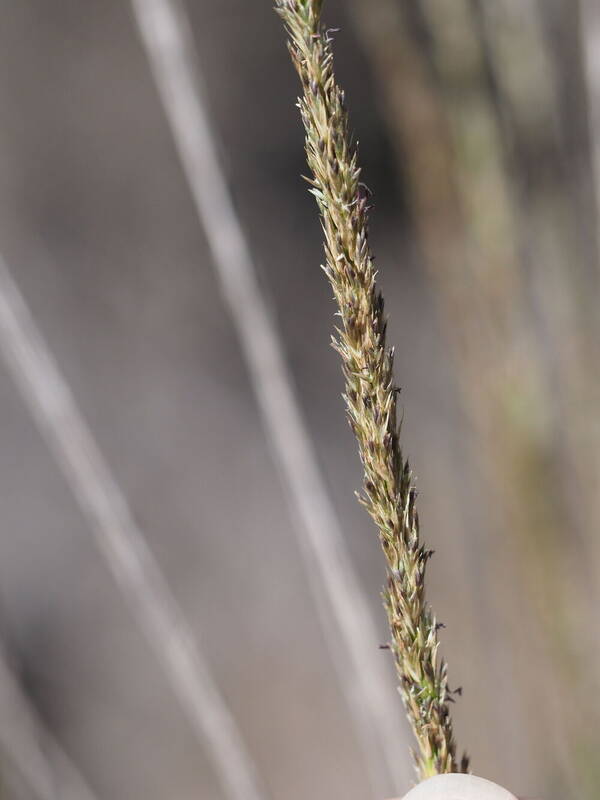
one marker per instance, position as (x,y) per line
(371,395)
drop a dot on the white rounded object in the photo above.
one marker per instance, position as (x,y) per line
(458,787)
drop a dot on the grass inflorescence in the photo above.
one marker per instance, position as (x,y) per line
(371,394)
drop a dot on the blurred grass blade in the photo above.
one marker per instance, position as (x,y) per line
(589,20)
(341,602)
(122,543)
(40,762)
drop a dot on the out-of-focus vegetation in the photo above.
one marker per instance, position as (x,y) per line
(487,110)
(477,123)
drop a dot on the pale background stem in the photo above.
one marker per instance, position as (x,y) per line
(48,397)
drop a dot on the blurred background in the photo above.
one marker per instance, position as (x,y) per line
(477,127)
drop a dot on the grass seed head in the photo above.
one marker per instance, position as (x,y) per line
(370,394)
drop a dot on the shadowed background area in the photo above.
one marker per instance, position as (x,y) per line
(477,138)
